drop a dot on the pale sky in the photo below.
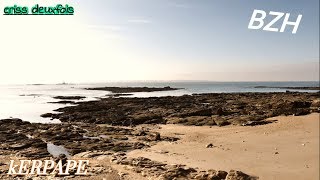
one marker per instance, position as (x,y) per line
(112,40)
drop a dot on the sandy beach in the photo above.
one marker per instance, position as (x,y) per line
(287,149)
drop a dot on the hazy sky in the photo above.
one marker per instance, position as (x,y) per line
(158,40)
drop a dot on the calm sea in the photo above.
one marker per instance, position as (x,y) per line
(28,102)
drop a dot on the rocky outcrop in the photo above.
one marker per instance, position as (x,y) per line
(13,141)
(198,109)
(164,171)
(238,175)
(30,140)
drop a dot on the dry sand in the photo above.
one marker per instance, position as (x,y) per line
(287,149)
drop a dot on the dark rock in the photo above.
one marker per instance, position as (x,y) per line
(178,172)
(70,97)
(220,112)
(221,122)
(118,95)
(209,145)
(63,102)
(301,104)
(46,115)
(238,175)
(154,136)
(218,175)
(196,112)
(211,175)
(139,133)
(255,123)
(301,112)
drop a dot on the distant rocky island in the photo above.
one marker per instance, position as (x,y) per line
(296,88)
(69,97)
(133,89)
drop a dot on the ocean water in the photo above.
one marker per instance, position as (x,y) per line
(28,102)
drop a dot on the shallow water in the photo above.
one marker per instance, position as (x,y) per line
(28,102)
(55,150)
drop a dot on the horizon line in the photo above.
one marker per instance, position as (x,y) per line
(154,81)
